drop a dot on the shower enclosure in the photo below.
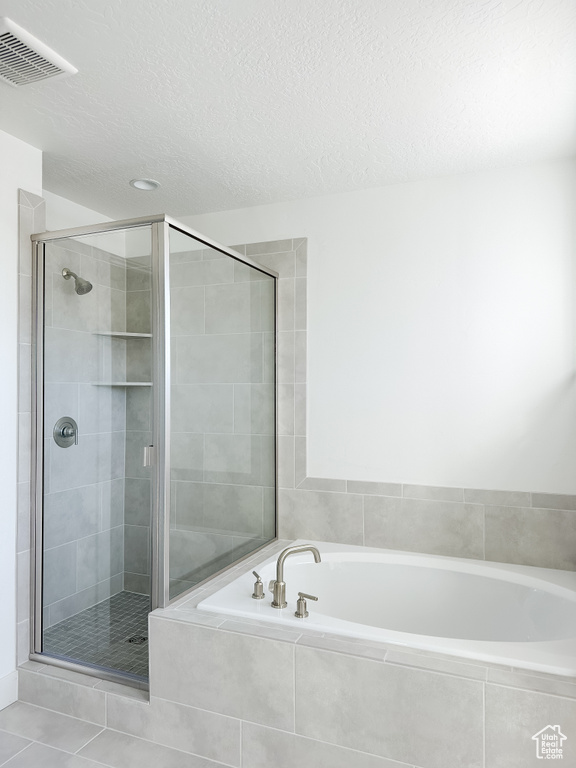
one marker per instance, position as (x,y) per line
(155,430)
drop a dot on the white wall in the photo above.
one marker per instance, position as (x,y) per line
(20,167)
(441,327)
(62,213)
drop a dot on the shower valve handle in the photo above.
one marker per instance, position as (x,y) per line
(65,432)
(70,432)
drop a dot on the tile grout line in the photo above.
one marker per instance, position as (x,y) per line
(21,750)
(294,688)
(163,746)
(89,740)
(484,724)
(241,762)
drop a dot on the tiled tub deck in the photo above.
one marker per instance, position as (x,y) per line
(249,694)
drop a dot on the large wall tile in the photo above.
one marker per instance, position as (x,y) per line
(188,503)
(62,696)
(240,676)
(253,409)
(203,407)
(100,409)
(186,311)
(234,308)
(194,555)
(218,269)
(264,747)
(543,537)
(138,313)
(137,549)
(70,355)
(138,360)
(138,278)
(61,399)
(225,358)
(78,601)
(176,725)
(231,508)
(514,716)
(435,527)
(77,465)
(321,516)
(100,557)
(59,572)
(112,503)
(233,459)
(71,515)
(408,715)
(137,501)
(139,408)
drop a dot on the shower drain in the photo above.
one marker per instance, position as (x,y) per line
(137,639)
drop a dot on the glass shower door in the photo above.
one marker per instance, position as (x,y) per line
(97,421)
(222,410)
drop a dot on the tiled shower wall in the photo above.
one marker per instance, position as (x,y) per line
(137,499)
(84,483)
(222,413)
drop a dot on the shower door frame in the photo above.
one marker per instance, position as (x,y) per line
(160,225)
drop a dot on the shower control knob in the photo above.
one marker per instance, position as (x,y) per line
(65,432)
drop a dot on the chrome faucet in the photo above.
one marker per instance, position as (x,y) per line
(279,586)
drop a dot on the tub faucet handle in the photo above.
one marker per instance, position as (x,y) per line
(301,612)
(258,593)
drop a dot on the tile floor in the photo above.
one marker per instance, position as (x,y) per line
(33,737)
(99,635)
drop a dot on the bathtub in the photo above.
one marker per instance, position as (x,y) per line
(519,616)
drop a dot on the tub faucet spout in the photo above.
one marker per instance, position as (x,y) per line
(279,586)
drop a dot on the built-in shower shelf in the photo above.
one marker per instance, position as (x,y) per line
(121,383)
(123,335)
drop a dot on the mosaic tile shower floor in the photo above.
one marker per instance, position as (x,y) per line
(100,635)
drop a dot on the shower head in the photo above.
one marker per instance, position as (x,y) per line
(82,286)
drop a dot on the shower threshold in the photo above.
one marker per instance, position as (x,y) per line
(112,634)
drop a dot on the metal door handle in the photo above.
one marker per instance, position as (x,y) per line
(148,455)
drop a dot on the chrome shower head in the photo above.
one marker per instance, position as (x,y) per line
(82,286)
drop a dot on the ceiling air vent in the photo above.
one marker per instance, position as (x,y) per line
(25,59)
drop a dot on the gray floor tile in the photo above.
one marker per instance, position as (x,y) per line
(50,728)
(10,745)
(40,756)
(117,750)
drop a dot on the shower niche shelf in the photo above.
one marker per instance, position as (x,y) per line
(124,335)
(121,383)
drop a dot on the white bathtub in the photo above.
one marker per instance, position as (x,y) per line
(508,614)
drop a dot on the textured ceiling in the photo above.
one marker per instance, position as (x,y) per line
(232,103)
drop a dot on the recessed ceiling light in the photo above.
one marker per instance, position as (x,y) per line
(146,184)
